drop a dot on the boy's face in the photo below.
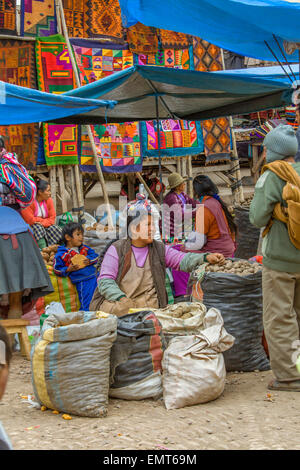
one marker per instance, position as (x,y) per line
(3,379)
(76,239)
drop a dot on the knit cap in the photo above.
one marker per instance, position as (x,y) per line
(281,142)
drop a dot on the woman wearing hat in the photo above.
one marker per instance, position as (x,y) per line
(175,204)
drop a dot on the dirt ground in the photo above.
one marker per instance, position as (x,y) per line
(244,417)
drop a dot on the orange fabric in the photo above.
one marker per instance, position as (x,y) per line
(211,229)
(29,217)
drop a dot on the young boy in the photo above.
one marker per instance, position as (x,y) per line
(82,273)
(5,357)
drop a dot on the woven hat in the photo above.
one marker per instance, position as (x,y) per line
(174,180)
(281,143)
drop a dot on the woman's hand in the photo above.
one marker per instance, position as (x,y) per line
(215,258)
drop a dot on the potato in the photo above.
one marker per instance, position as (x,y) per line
(186,316)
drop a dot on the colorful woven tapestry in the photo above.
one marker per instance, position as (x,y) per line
(142,39)
(17,63)
(55,75)
(170,39)
(38,18)
(96,60)
(207,57)
(103,19)
(118,147)
(22,140)
(8,17)
(217,140)
(177,59)
(76,18)
(61,144)
(177,138)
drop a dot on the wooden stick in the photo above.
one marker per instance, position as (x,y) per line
(62,188)
(151,195)
(52,171)
(190,175)
(73,189)
(90,134)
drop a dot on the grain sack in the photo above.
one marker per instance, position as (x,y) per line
(184,318)
(98,240)
(70,363)
(239,298)
(248,235)
(136,357)
(193,366)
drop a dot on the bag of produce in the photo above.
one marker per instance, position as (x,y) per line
(183,318)
(193,366)
(71,363)
(248,235)
(236,290)
(136,357)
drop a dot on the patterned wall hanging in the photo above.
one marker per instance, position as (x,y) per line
(142,39)
(55,75)
(38,18)
(97,60)
(118,147)
(177,138)
(170,39)
(178,59)
(216,132)
(76,18)
(103,19)
(17,66)
(8,17)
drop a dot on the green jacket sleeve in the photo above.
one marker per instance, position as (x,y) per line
(268,191)
(191,261)
(110,290)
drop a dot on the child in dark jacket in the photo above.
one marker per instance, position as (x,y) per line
(84,278)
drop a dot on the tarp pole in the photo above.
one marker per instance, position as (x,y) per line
(159,166)
(90,134)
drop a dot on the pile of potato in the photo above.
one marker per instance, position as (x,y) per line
(48,253)
(98,227)
(246,204)
(240,268)
(180,311)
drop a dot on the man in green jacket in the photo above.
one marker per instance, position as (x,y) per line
(281,260)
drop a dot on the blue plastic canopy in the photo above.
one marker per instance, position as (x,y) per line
(184,94)
(20,105)
(241,26)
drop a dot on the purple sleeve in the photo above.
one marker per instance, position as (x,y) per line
(110,264)
(173,257)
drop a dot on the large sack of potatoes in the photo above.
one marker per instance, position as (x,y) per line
(71,362)
(98,236)
(248,235)
(136,357)
(236,290)
(181,319)
(193,366)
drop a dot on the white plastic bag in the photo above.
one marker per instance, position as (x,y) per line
(54,307)
(193,366)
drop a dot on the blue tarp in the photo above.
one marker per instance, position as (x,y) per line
(183,94)
(20,105)
(241,26)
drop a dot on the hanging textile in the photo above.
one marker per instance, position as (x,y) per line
(8,17)
(170,39)
(177,138)
(103,18)
(177,59)
(17,66)
(97,60)
(118,147)
(55,75)
(38,18)
(142,39)
(217,140)
(22,140)
(76,18)
(216,132)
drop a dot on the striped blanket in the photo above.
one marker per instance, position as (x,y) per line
(16,177)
